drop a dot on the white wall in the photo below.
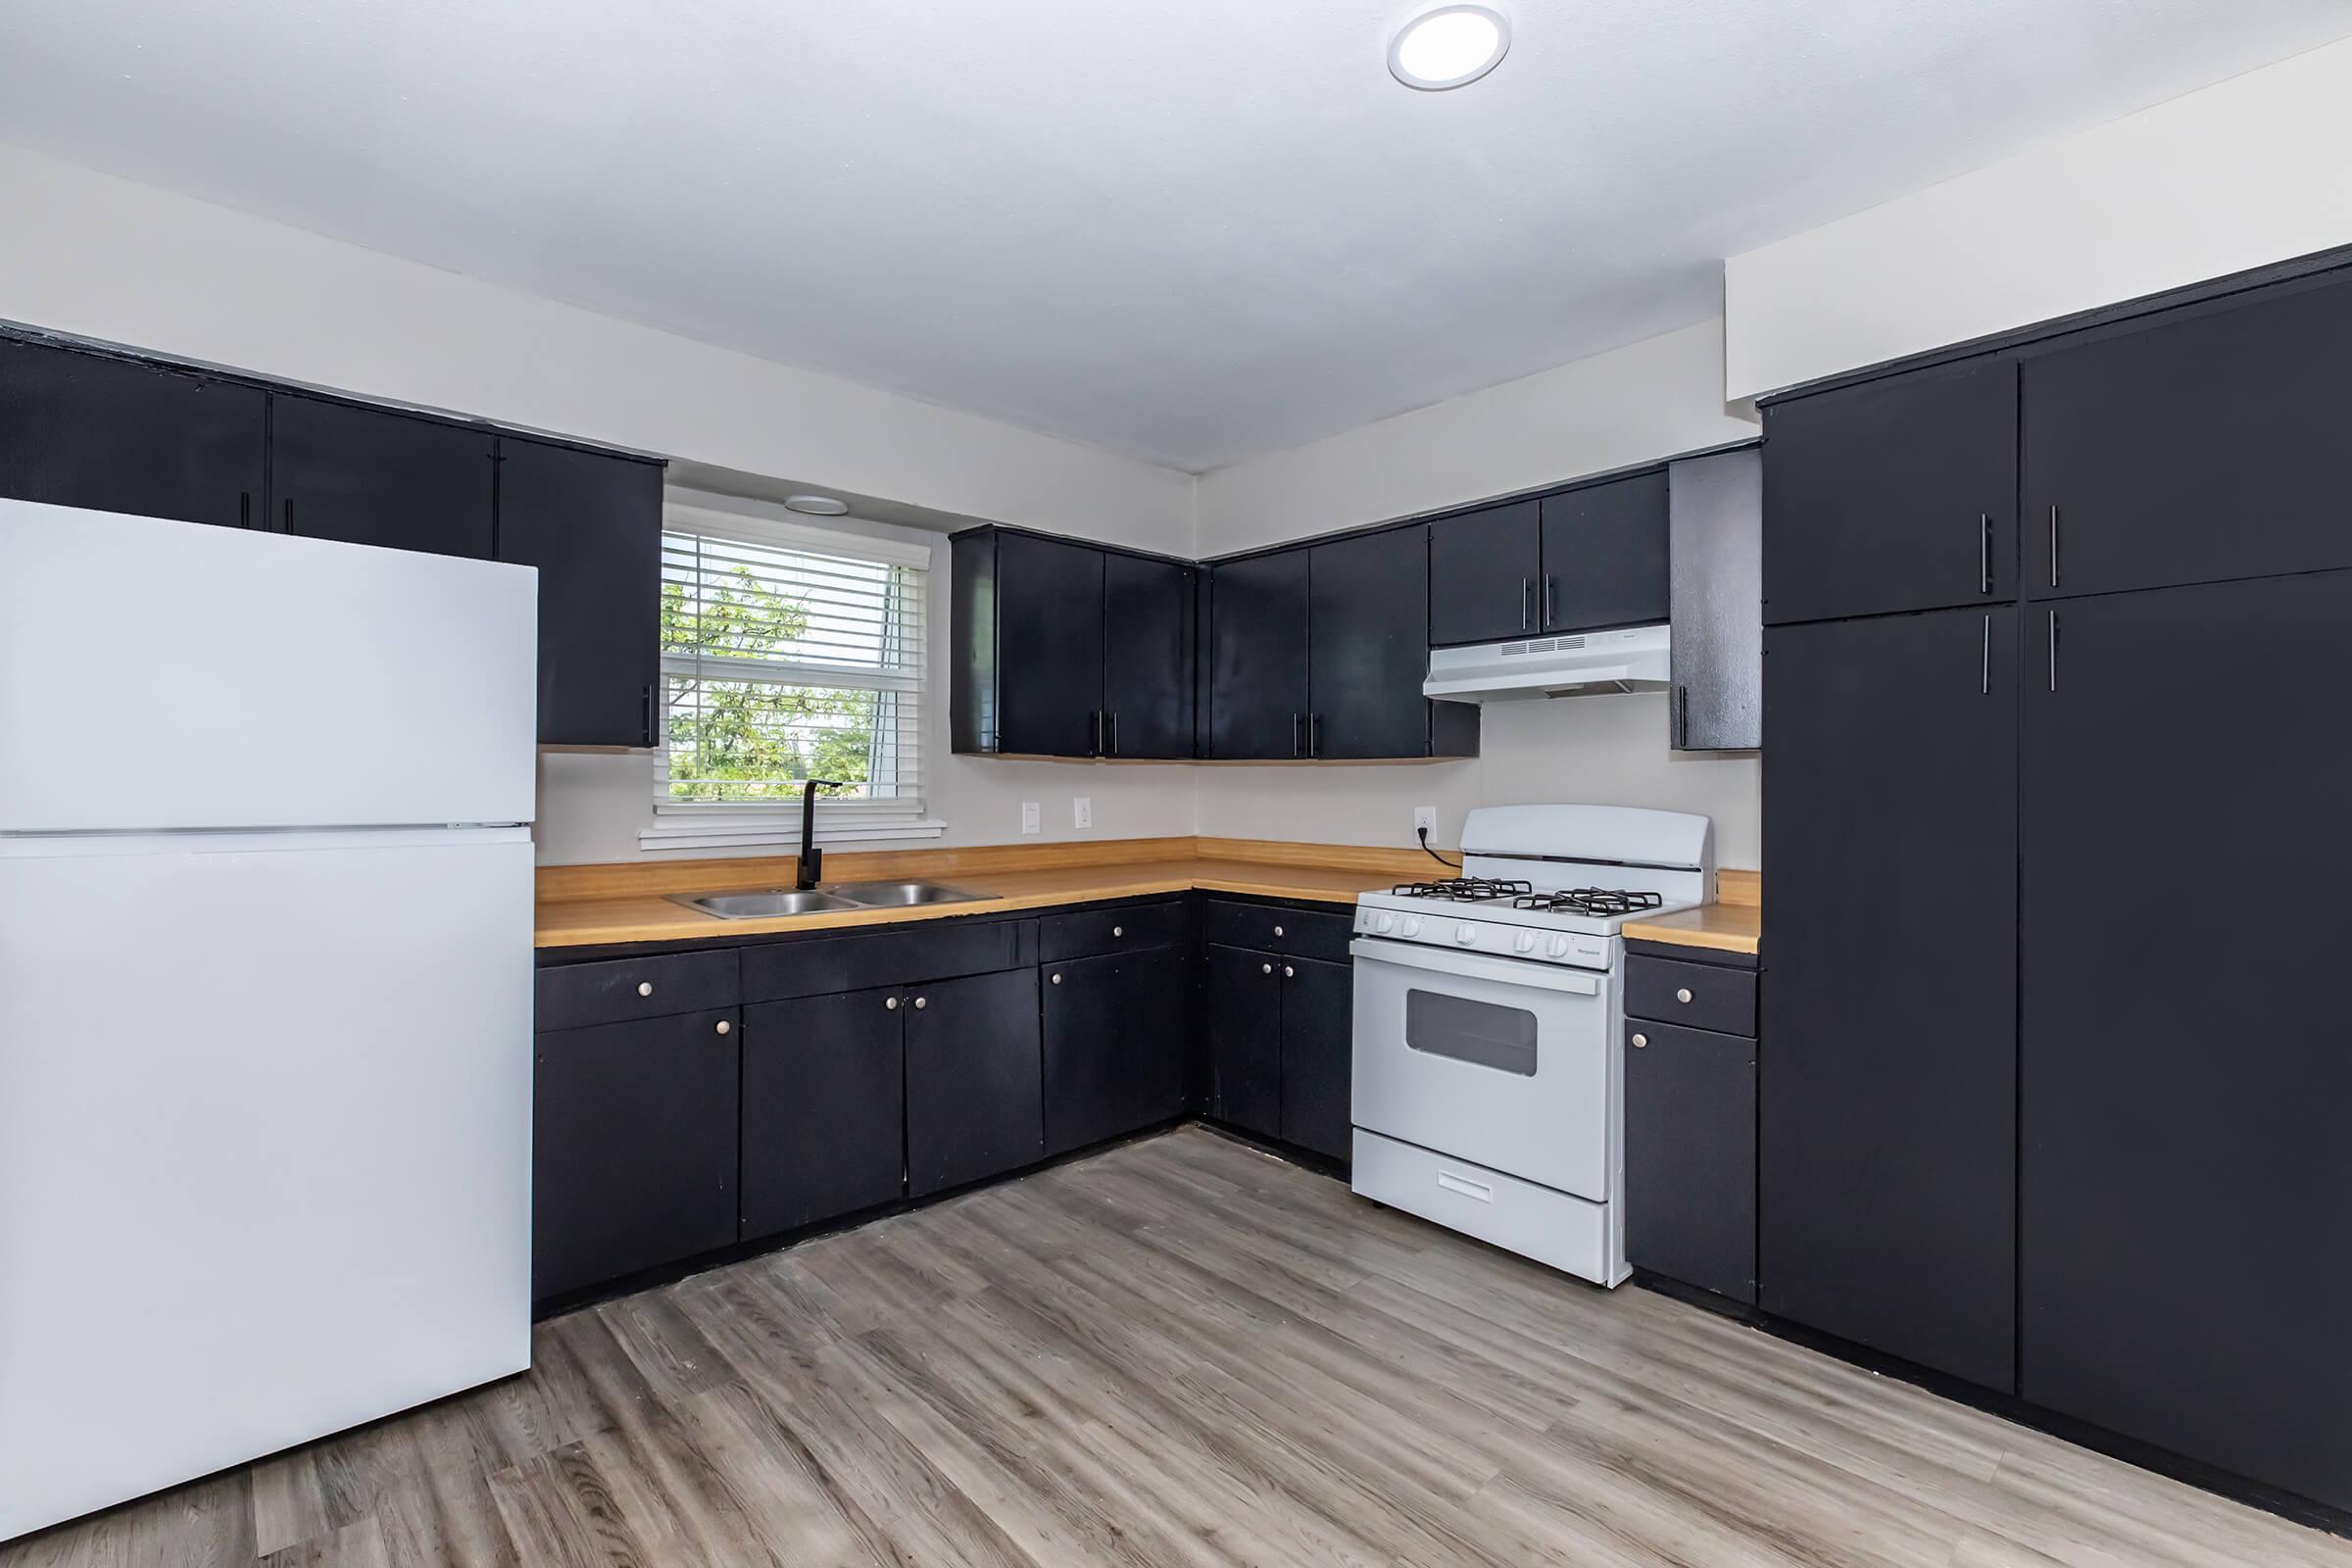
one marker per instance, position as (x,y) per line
(1649,400)
(105,258)
(2248,172)
(593,805)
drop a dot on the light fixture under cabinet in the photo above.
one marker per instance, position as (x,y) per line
(1448,45)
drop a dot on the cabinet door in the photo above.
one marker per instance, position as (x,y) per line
(1049,647)
(1115,1032)
(1716,529)
(1606,556)
(1259,656)
(823,1110)
(109,435)
(1147,656)
(1893,495)
(1243,1018)
(1368,616)
(1318,1026)
(1483,571)
(371,478)
(1889,1116)
(592,525)
(1690,1156)
(632,1148)
(2186,1261)
(2203,448)
(974,1094)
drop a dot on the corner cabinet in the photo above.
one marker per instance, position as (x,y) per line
(1068,650)
(1279,1017)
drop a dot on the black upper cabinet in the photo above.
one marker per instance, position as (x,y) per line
(367,477)
(2202,448)
(1485,572)
(1049,647)
(2185,1260)
(1888,1114)
(1259,701)
(1369,617)
(592,525)
(1606,556)
(824,1103)
(975,1100)
(1893,495)
(1146,655)
(80,429)
(1317,1056)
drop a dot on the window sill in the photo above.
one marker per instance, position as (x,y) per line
(673,833)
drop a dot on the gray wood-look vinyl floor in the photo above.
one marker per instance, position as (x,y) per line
(1181,1351)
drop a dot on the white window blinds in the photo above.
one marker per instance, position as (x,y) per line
(789,654)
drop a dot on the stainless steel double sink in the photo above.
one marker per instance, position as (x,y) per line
(769,904)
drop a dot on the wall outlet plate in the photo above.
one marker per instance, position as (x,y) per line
(1031,818)
(1425,821)
(1082,810)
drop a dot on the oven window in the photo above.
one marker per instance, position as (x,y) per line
(1480,1033)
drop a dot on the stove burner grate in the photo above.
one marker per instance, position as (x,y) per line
(1589,901)
(1465,890)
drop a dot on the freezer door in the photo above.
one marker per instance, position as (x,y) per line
(264,1147)
(162,676)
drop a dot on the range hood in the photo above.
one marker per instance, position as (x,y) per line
(1574,664)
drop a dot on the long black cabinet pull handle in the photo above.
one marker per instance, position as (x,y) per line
(1314,734)
(1681,707)
(1097,732)
(1983,552)
(652,735)
(1526,602)
(2053,649)
(1114,733)
(1984,662)
(1298,734)
(2053,546)
(1548,583)
(290,523)
(244,509)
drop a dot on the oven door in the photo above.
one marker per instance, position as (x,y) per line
(1500,1061)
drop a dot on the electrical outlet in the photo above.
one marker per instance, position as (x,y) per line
(1425,821)
(1031,820)
(1082,810)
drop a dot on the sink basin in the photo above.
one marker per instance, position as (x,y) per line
(765,904)
(900,894)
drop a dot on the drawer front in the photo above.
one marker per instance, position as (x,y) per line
(1696,995)
(1084,933)
(576,995)
(1568,1233)
(1282,928)
(931,951)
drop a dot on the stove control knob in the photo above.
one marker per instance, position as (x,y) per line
(1384,924)
(1558,947)
(1412,925)
(1525,942)
(1465,933)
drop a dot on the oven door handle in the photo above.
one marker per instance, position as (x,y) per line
(1476,967)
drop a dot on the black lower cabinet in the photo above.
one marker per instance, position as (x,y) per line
(1116,1029)
(1317,1056)
(1888,1122)
(1241,1013)
(2186,1263)
(1690,1156)
(974,1086)
(633,1153)
(824,1105)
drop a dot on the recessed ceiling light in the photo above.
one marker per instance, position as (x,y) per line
(1449,46)
(816,505)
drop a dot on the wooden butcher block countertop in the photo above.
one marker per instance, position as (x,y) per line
(592,906)
(1733,923)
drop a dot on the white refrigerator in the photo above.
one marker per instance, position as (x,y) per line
(264,994)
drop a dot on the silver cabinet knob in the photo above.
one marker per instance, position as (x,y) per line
(725,1028)
(1265,968)
(645,988)
(1640,1041)
(1278,930)
(892,1003)
(1118,930)
(1287,972)
(1683,995)
(919,1003)
(1058,979)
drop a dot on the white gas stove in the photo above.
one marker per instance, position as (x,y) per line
(1489,1025)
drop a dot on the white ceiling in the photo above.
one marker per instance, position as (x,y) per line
(1190,233)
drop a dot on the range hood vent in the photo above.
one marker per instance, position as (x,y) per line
(1577,665)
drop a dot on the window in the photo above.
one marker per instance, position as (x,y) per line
(787,652)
